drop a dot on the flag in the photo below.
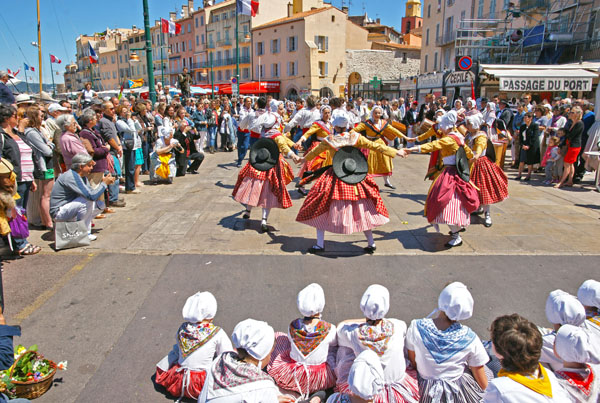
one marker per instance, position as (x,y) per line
(12,73)
(136,83)
(170,27)
(27,67)
(472,90)
(121,92)
(247,7)
(93,55)
(54,59)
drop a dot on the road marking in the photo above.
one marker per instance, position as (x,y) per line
(46,295)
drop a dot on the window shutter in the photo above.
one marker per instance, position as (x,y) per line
(326,68)
(317,40)
(287,44)
(326,43)
(295,42)
(288,69)
(295,68)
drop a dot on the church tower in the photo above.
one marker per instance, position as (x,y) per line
(412,18)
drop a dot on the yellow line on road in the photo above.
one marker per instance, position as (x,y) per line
(46,295)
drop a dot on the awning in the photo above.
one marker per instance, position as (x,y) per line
(546,80)
(253,87)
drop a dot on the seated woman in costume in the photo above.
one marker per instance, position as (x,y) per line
(366,382)
(589,295)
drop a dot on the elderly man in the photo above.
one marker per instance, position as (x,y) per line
(72,198)
(6,95)
(108,131)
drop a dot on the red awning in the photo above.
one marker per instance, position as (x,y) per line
(252,87)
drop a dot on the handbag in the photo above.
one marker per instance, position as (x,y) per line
(19,227)
(70,234)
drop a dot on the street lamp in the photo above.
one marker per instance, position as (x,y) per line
(148,48)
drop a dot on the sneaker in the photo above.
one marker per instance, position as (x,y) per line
(92,237)
(118,203)
(134,191)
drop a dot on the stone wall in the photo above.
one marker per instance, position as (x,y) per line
(381,64)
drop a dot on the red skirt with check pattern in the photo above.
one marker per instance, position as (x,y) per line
(276,178)
(491,181)
(450,192)
(288,374)
(315,163)
(362,208)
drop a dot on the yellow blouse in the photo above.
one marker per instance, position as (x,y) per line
(372,133)
(362,142)
(432,132)
(479,143)
(446,145)
(284,144)
(318,130)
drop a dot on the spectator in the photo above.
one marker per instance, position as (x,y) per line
(128,132)
(54,132)
(6,95)
(86,95)
(73,199)
(70,143)
(185,80)
(186,135)
(516,126)
(226,128)
(212,120)
(108,131)
(529,139)
(573,139)
(200,122)
(550,160)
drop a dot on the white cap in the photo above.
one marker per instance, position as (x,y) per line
(475,120)
(200,306)
(366,375)
(23,99)
(448,120)
(254,336)
(375,302)
(589,293)
(575,344)
(340,121)
(323,107)
(56,107)
(311,300)
(564,309)
(456,302)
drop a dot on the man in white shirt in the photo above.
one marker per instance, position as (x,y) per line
(247,123)
(362,109)
(304,118)
(243,135)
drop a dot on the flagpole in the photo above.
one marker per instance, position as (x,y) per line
(237,48)
(26,80)
(39,32)
(52,73)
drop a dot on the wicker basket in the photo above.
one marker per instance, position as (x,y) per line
(34,389)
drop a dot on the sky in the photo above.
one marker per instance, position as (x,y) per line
(63,20)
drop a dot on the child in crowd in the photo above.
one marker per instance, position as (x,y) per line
(448,356)
(303,360)
(550,159)
(580,368)
(562,150)
(183,371)
(518,343)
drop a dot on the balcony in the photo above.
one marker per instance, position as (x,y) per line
(210,45)
(224,42)
(445,39)
(221,63)
(529,5)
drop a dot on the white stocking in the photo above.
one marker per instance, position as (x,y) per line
(320,238)
(486,209)
(265,215)
(370,240)
(387,180)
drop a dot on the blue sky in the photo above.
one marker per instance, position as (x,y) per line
(63,20)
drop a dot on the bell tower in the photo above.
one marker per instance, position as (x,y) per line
(412,18)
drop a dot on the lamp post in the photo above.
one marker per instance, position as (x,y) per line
(148,49)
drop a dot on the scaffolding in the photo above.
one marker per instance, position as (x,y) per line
(535,31)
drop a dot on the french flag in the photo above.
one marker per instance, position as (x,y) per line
(93,55)
(170,27)
(247,7)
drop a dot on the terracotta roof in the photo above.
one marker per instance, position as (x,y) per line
(295,17)
(397,45)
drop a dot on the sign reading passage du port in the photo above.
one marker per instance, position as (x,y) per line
(465,63)
(540,84)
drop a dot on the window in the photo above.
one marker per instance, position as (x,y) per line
(224,16)
(246,53)
(439,5)
(322,43)
(232,14)
(196,22)
(219,56)
(480,9)
(210,39)
(275,46)
(426,60)
(120,58)
(201,20)
(189,44)
(404,58)
(246,73)
(197,40)
(292,43)
(189,28)
(227,74)
(227,35)
(333,18)
(275,70)
(292,69)
(492,9)
(202,39)
(323,69)
(260,71)
(177,48)
(427,37)
(183,46)
(450,2)
(219,75)
(259,49)
(227,55)
(114,74)
(429,11)
(215,17)
(184,62)
(446,58)
(437,32)
(218,36)
(435,57)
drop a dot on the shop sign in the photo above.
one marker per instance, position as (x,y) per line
(460,79)
(430,81)
(539,84)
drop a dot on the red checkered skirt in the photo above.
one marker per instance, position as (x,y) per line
(172,380)
(264,188)
(335,206)
(407,388)
(451,200)
(289,375)
(315,163)
(491,181)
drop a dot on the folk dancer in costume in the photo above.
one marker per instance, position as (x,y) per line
(183,371)
(580,354)
(449,356)
(366,382)
(339,207)
(436,165)
(239,376)
(304,358)
(249,121)
(243,134)
(451,199)
(338,107)
(384,337)
(522,378)
(317,132)
(589,295)
(264,184)
(375,129)
(485,174)
(304,118)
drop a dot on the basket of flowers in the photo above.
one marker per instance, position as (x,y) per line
(31,374)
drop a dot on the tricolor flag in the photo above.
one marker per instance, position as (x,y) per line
(170,27)
(93,55)
(136,83)
(28,67)
(247,7)
(54,59)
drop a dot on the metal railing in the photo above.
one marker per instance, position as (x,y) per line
(445,39)
(230,61)
(528,5)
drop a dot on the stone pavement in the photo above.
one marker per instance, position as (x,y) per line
(197,215)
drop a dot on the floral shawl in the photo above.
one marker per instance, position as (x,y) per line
(306,341)
(229,372)
(192,336)
(376,337)
(444,344)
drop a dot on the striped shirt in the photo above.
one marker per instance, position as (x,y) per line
(26,161)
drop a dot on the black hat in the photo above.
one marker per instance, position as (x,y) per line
(264,154)
(503,101)
(350,165)
(462,164)
(484,99)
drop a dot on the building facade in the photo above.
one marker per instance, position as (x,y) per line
(412,18)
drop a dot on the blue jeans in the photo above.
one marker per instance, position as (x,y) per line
(129,168)
(23,191)
(253,140)
(113,191)
(243,143)
(212,136)
(146,153)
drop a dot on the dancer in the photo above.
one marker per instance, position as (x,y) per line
(485,174)
(249,121)
(305,117)
(262,182)
(451,198)
(303,360)
(183,371)
(374,129)
(436,165)
(350,205)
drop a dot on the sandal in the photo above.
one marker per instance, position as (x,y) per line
(30,250)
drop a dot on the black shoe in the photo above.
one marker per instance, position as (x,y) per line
(315,250)
(518,178)
(264,228)
(302,191)
(460,230)
(320,394)
(238,165)
(527,179)
(193,172)
(246,215)
(118,203)
(370,249)
(389,185)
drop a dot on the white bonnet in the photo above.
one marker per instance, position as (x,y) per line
(340,120)
(575,344)
(375,302)
(375,108)
(366,375)
(311,300)
(475,120)
(471,102)
(456,302)
(254,336)
(589,293)
(448,121)
(274,105)
(564,309)
(200,306)
(325,106)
